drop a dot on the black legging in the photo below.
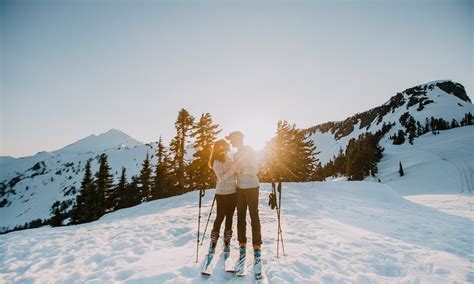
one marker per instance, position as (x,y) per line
(225,209)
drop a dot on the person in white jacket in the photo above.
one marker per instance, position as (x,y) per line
(225,193)
(246,167)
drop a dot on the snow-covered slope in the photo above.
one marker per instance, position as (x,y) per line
(94,143)
(334,232)
(30,185)
(437,99)
(442,163)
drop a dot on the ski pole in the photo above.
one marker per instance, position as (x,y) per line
(201,195)
(279,216)
(208,218)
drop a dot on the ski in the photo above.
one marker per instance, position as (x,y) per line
(240,266)
(206,268)
(257,268)
(228,263)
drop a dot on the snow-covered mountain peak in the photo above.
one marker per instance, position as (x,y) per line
(441,99)
(438,88)
(113,138)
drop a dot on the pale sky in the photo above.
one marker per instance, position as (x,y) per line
(73,68)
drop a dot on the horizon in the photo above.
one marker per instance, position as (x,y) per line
(167,142)
(132,65)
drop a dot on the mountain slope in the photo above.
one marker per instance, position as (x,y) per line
(30,185)
(443,163)
(438,99)
(334,232)
(111,139)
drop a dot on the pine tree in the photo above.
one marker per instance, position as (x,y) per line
(205,133)
(120,190)
(183,126)
(454,123)
(427,125)
(399,138)
(82,210)
(290,154)
(362,155)
(104,185)
(339,163)
(58,210)
(161,180)
(132,195)
(145,180)
(305,159)
(400,170)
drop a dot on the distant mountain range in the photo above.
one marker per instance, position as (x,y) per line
(30,185)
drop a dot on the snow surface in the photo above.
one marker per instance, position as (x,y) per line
(334,232)
(110,139)
(442,163)
(445,106)
(63,169)
(460,205)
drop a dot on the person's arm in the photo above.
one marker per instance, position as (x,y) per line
(221,172)
(249,164)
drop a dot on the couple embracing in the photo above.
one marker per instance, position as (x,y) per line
(237,187)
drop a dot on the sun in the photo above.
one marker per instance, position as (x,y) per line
(257,133)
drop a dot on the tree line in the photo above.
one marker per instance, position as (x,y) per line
(172,175)
(415,129)
(291,155)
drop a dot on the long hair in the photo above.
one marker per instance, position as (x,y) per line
(219,151)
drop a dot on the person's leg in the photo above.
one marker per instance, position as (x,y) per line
(230,210)
(252,200)
(218,221)
(241,215)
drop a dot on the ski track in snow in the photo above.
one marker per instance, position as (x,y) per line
(334,232)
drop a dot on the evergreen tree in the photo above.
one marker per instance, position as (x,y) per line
(362,155)
(58,210)
(132,196)
(419,129)
(146,180)
(161,181)
(82,210)
(400,170)
(454,123)
(121,189)
(467,120)
(104,185)
(205,133)
(427,125)
(183,126)
(290,155)
(399,138)
(339,163)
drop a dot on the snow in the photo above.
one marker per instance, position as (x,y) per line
(459,205)
(334,232)
(445,106)
(412,229)
(110,139)
(36,193)
(442,163)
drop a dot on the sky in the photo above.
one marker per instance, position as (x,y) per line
(73,68)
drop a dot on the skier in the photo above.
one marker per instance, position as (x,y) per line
(225,195)
(246,166)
